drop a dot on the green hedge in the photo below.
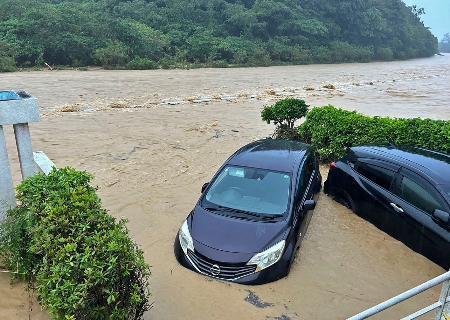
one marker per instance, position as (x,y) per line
(80,260)
(331,130)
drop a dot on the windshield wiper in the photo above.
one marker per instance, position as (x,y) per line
(212,208)
(270,217)
(252,214)
(241,213)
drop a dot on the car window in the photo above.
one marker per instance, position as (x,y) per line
(258,191)
(305,175)
(381,176)
(420,194)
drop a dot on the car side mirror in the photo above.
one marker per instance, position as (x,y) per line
(309,205)
(205,186)
(442,216)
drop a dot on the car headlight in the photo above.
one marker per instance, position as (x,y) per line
(185,238)
(268,257)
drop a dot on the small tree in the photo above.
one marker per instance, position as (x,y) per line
(283,114)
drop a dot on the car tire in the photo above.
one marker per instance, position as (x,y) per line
(346,200)
(292,253)
(318,186)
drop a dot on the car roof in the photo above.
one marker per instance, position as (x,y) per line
(434,164)
(271,154)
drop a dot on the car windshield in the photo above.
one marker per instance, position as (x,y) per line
(249,190)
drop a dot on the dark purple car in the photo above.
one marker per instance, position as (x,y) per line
(250,219)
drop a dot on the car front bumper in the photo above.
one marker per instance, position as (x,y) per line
(273,273)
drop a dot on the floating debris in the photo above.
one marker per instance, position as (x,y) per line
(253,299)
(282,317)
(330,86)
(118,105)
(202,100)
(228,98)
(271,92)
(173,103)
(70,108)
(191,98)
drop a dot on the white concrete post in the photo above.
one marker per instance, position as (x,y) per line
(7,195)
(25,150)
(16,109)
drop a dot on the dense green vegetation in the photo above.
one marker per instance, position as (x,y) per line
(331,130)
(79,260)
(142,34)
(444,45)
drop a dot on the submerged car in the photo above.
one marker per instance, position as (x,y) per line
(250,219)
(403,191)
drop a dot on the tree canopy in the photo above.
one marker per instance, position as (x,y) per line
(166,33)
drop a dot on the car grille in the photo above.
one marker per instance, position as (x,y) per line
(218,269)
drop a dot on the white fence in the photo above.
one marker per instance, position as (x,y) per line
(442,307)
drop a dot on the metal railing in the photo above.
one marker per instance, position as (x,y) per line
(442,306)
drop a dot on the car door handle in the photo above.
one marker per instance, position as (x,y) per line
(397,207)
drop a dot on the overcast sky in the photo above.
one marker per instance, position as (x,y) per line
(437,15)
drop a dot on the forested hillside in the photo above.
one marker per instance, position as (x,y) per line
(174,33)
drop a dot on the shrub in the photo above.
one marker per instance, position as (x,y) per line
(80,260)
(331,130)
(7,58)
(346,52)
(113,55)
(385,54)
(7,64)
(142,64)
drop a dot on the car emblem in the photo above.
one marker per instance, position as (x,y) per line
(215,270)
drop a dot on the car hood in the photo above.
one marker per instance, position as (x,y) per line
(232,234)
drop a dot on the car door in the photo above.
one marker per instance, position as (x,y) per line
(417,199)
(376,179)
(304,191)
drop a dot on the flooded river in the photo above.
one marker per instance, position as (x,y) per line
(152,138)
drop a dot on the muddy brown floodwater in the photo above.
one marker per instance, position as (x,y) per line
(152,138)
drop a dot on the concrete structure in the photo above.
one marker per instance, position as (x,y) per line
(16,109)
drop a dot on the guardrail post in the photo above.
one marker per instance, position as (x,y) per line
(444,311)
(25,150)
(7,196)
(16,109)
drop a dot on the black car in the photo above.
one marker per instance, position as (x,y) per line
(403,191)
(250,219)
